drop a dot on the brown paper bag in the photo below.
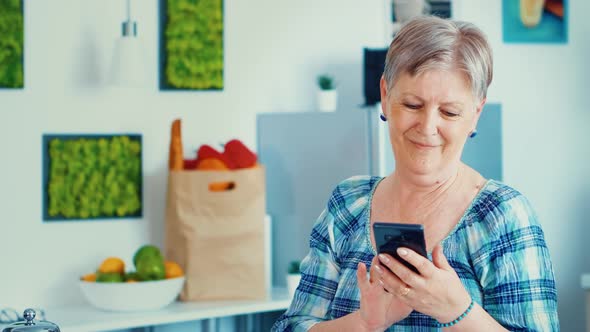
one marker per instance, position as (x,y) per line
(217,237)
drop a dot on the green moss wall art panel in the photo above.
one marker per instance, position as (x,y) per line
(191,44)
(92,177)
(11,44)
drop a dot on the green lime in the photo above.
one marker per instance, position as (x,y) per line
(146,251)
(151,268)
(132,276)
(109,277)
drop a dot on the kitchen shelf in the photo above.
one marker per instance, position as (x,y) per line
(87,318)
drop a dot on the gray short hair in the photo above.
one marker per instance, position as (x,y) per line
(428,42)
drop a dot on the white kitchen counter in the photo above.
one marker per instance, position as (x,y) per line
(87,318)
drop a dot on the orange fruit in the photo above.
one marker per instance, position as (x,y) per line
(214,164)
(89,277)
(112,265)
(173,270)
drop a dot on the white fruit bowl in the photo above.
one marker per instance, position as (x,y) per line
(135,296)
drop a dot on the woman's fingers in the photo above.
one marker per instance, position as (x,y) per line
(361,276)
(421,263)
(439,259)
(374,275)
(401,272)
(390,282)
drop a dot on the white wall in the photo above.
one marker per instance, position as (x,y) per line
(544,90)
(273,51)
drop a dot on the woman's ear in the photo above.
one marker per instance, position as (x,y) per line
(478,112)
(383,89)
(481,104)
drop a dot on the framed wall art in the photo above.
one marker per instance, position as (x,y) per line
(535,21)
(403,10)
(191,45)
(89,177)
(11,44)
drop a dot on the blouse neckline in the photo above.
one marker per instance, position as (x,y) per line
(466,213)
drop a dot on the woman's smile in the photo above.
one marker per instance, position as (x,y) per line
(424,146)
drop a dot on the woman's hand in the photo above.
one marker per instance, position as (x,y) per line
(437,291)
(379,309)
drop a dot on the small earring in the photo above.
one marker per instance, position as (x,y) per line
(473,133)
(382,117)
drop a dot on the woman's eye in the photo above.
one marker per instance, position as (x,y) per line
(450,114)
(412,106)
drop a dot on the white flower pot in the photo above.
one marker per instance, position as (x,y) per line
(327,100)
(292,283)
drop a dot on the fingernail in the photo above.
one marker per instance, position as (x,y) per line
(378,269)
(402,252)
(383,258)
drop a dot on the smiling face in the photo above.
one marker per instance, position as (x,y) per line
(430,117)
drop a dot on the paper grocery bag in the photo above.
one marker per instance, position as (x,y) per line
(217,237)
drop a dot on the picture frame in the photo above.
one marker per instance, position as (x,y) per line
(12,44)
(92,177)
(535,21)
(406,9)
(191,45)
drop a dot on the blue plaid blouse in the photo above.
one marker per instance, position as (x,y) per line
(497,249)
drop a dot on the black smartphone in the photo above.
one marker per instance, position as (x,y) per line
(390,236)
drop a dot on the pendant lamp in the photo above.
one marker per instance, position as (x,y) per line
(127,66)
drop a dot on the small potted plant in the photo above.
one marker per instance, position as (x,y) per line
(327,95)
(293,277)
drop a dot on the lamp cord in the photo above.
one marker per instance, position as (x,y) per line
(128,10)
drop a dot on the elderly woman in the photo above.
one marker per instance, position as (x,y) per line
(488,267)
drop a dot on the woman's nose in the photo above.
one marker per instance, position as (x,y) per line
(429,120)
